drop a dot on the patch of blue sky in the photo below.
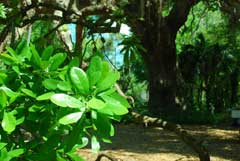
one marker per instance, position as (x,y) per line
(116,56)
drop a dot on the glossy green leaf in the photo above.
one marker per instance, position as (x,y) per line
(20,121)
(80,80)
(16,152)
(56,61)
(2,145)
(45,96)
(108,81)
(11,52)
(47,53)
(59,157)
(35,107)
(24,53)
(107,92)
(50,84)
(28,92)
(3,99)
(103,125)
(95,144)
(121,99)
(9,122)
(4,155)
(3,78)
(71,118)
(94,71)
(64,86)
(36,60)
(113,107)
(105,70)
(95,103)
(8,91)
(64,100)
(74,63)
(7,59)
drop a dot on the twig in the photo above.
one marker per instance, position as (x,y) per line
(100,156)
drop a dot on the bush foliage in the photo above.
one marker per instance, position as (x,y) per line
(49,107)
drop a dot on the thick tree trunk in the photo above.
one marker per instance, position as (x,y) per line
(157,34)
(161,65)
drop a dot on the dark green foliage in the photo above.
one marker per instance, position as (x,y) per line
(206,70)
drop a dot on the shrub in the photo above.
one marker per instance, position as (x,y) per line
(50,108)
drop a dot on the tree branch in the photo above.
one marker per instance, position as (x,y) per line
(179,13)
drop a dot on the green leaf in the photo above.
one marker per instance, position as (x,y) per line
(3,78)
(20,121)
(35,108)
(108,81)
(94,71)
(45,96)
(35,57)
(105,70)
(16,152)
(74,63)
(3,99)
(121,99)
(59,157)
(50,84)
(24,53)
(95,103)
(4,155)
(64,86)
(80,80)
(9,60)
(11,52)
(103,125)
(113,107)
(71,118)
(28,92)
(46,54)
(8,91)
(64,100)
(95,144)
(56,61)
(9,122)
(2,145)
(107,92)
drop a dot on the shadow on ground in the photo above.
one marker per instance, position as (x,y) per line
(135,143)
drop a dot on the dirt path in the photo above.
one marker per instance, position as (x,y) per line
(135,143)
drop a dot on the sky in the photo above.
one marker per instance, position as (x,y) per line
(125,30)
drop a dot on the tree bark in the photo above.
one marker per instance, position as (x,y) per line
(161,65)
(157,34)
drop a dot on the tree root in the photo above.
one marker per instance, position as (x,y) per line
(177,129)
(101,155)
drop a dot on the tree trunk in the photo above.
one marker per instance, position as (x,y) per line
(161,65)
(234,87)
(157,34)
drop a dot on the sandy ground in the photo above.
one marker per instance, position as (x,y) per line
(135,143)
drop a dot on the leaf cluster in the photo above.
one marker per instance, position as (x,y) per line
(50,108)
